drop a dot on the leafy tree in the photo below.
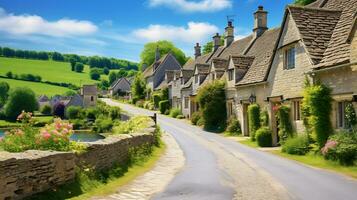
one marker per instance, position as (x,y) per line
(9,74)
(70,93)
(0,51)
(94,74)
(212,102)
(79,67)
(57,56)
(104,84)
(147,56)
(72,61)
(303,2)
(7,52)
(20,99)
(73,112)
(4,89)
(208,47)
(106,70)
(121,73)
(59,110)
(112,77)
(138,88)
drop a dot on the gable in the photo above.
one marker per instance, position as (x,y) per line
(289,33)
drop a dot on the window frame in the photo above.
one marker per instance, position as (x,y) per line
(230,74)
(186,102)
(290,58)
(297,110)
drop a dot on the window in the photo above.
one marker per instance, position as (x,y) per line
(289,58)
(213,76)
(230,74)
(196,79)
(187,101)
(91,98)
(297,110)
(341,106)
(230,108)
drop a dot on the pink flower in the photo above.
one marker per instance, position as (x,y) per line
(46,136)
(58,126)
(1,139)
(330,144)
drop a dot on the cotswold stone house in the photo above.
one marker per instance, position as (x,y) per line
(89,93)
(120,87)
(155,74)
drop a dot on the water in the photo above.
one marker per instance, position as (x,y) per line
(2,133)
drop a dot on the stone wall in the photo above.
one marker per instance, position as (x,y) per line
(30,172)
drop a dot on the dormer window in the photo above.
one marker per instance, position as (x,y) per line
(230,74)
(196,79)
(289,58)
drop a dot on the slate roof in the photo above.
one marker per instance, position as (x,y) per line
(242,61)
(262,50)
(237,47)
(89,90)
(188,83)
(315,26)
(220,64)
(203,68)
(149,71)
(118,81)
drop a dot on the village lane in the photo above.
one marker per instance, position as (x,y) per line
(220,168)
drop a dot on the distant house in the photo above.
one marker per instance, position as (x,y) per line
(155,74)
(121,87)
(89,94)
(43,100)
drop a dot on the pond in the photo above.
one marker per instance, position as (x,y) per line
(77,136)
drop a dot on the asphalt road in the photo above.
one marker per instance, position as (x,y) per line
(218,168)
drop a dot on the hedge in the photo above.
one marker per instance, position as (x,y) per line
(253,119)
(263,137)
(164,106)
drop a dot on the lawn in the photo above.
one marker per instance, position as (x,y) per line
(6,124)
(38,88)
(49,70)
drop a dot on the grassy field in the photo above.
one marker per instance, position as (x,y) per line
(38,88)
(49,70)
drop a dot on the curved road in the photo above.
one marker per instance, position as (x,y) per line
(218,168)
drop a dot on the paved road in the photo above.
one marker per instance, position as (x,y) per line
(218,168)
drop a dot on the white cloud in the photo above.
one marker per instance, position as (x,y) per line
(194,32)
(193,6)
(33,24)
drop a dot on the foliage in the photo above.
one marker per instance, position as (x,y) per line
(135,124)
(73,112)
(180,117)
(140,103)
(69,93)
(91,113)
(59,110)
(234,127)
(350,116)
(208,47)
(114,113)
(253,119)
(164,106)
(341,147)
(263,137)
(212,101)
(303,2)
(112,77)
(298,145)
(164,94)
(175,112)
(316,106)
(156,98)
(285,126)
(264,118)
(46,110)
(79,67)
(94,74)
(4,90)
(149,105)
(20,99)
(138,88)
(195,117)
(106,70)
(103,125)
(201,122)
(147,56)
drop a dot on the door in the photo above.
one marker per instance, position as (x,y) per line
(245,120)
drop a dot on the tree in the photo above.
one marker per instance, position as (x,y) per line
(7,52)
(57,56)
(72,61)
(9,74)
(138,88)
(147,56)
(303,2)
(106,70)
(112,77)
(79,67)
(104,84)
(4,89)
(20,99)
(208,47)
(59,110)
(94,74)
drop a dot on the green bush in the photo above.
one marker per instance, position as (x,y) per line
(298,145)
(341,147)
(253,119)
(285,126)
(234,127)
(165,94)
(167,112)
(91,113)
(78,124)
(79,67)
(46,110)
(264,118)
(212,101)
(94,74)
(350,116)
(201,122)
(195,117)
(156,98)
(133,125)
(4,90)
(20,99)
(73,112)
(175,112)
(180,117)
(263,137)
(317,106)
(164,106)
(114,113)
(102,125)
(139,103)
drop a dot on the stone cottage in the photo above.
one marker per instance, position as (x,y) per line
(120,87)
(89,94)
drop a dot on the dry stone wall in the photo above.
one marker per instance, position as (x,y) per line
(30,172)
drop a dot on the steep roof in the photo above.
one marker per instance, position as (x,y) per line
(237,47)
(220,64)
(118,81)
(149,71)
(203,68)
(187,73)
(262,50)
(242,61)
(89,90)
(315,26)
(188,83)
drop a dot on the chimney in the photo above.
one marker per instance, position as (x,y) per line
(260,21)
(157,54)
(197,50)
(229,35)
(216,41)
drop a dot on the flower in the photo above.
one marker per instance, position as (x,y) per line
(46,136)
(330,144)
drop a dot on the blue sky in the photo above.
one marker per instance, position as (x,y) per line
(118,28)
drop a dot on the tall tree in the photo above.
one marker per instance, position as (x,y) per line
(138,88)
(147,56)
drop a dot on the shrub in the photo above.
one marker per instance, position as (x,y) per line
(73,112)
(195,117)
(102,125)
(212,102)
(341,147)
(46,110)
(350,116)
(91,113)
(201,122)
(298,145)
(175,112)
(94,74)
(106,70)
(264,118)
(79,67)
(234,127)
(165,94)
(180,117)
(9,74)
(140,103)
(253,119)
(133,125)
(263,137)
(114,113)
(20,99)
(4,90)
(285,127)
(59,110)
(316,106)
(164,106)
(77,123)
(156,99)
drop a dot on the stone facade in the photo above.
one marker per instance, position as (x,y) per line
(31,172)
